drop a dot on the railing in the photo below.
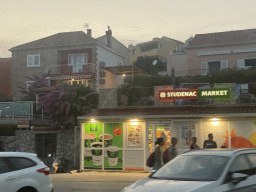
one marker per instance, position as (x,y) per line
(25,109)
(66,69)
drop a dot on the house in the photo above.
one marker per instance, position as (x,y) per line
(5,76)
(73,57)
(216,51)
(159,47)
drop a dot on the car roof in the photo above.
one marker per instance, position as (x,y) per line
(16,154)
(218,152)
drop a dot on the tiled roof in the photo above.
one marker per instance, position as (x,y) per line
(228,37)
(186,110)
(68,38)
(179,42)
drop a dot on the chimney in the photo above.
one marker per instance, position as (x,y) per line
(89,32)
(109,34)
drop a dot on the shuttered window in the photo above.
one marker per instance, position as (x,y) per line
(224,64)
(33,60)
(204,68)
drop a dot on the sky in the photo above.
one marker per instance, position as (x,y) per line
(131,21)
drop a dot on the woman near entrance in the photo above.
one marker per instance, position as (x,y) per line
(158,154)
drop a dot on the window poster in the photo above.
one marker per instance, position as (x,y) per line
(187,132)
(134,138)
(112,140)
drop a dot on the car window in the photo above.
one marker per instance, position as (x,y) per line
(239,164)
(252,159)
(3,166)
(18,163)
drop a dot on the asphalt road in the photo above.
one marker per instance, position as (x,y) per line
(71,186)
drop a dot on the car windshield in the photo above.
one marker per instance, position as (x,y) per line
(193,168)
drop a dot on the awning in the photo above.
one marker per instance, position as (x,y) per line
(127,70)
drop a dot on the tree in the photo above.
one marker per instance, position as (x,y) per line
(146,64)
(38,82)
(66,102)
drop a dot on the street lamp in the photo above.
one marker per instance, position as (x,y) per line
(154,63)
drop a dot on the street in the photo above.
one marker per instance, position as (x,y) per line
(71,186)
(95,181)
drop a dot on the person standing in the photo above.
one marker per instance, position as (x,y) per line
(194,145)
(210,144)
(172,151)
(158,154)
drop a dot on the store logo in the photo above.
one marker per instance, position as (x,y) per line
(170,95)
(214,93)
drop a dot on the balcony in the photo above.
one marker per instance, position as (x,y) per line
(66,71)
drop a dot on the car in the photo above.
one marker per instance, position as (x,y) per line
(23,172)
(211,170)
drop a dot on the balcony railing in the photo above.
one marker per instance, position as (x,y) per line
(20,109)
(67,69)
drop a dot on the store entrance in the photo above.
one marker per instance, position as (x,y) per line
(158,131)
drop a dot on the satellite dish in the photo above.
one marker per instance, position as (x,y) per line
(46,71)
(154,62)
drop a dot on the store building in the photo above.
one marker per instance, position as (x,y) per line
(130,132)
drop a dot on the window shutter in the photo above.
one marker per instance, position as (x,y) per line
(37,60)
(204,68)
(224,64)
(240,63)
(29,60)
(80,58)
(69,59)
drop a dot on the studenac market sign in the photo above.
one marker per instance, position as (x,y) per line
(213,93)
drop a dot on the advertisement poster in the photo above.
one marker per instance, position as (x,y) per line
(113,156)
(112,139)
(134,138)
(187,132)
(92,146)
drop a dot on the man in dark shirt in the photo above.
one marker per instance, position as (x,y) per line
(210,144)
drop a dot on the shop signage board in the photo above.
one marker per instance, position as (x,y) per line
(212,93)
(93,141)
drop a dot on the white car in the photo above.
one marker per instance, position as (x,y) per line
(23,172)
(207,170)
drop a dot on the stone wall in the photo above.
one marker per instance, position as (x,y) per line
(107,98)
(23,141)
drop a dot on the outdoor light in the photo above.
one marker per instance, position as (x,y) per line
(123,75)
(49,155)
(93,120)
(134,120)
(215,121)
(72,79)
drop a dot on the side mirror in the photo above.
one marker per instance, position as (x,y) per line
(238,177)
(152,172)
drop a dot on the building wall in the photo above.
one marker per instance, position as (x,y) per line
(194,61)
(5,76)
(179,62)
(164,47)
(107,98)
(48,57)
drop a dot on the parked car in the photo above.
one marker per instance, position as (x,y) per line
(23,172)
(203,170)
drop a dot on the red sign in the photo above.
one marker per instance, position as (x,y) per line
(170,95)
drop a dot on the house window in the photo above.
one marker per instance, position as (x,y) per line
(119,63)
(33,60)
(29,83)
(213,66)
(134,52)
(250,62)
(77,61)
(102,81)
